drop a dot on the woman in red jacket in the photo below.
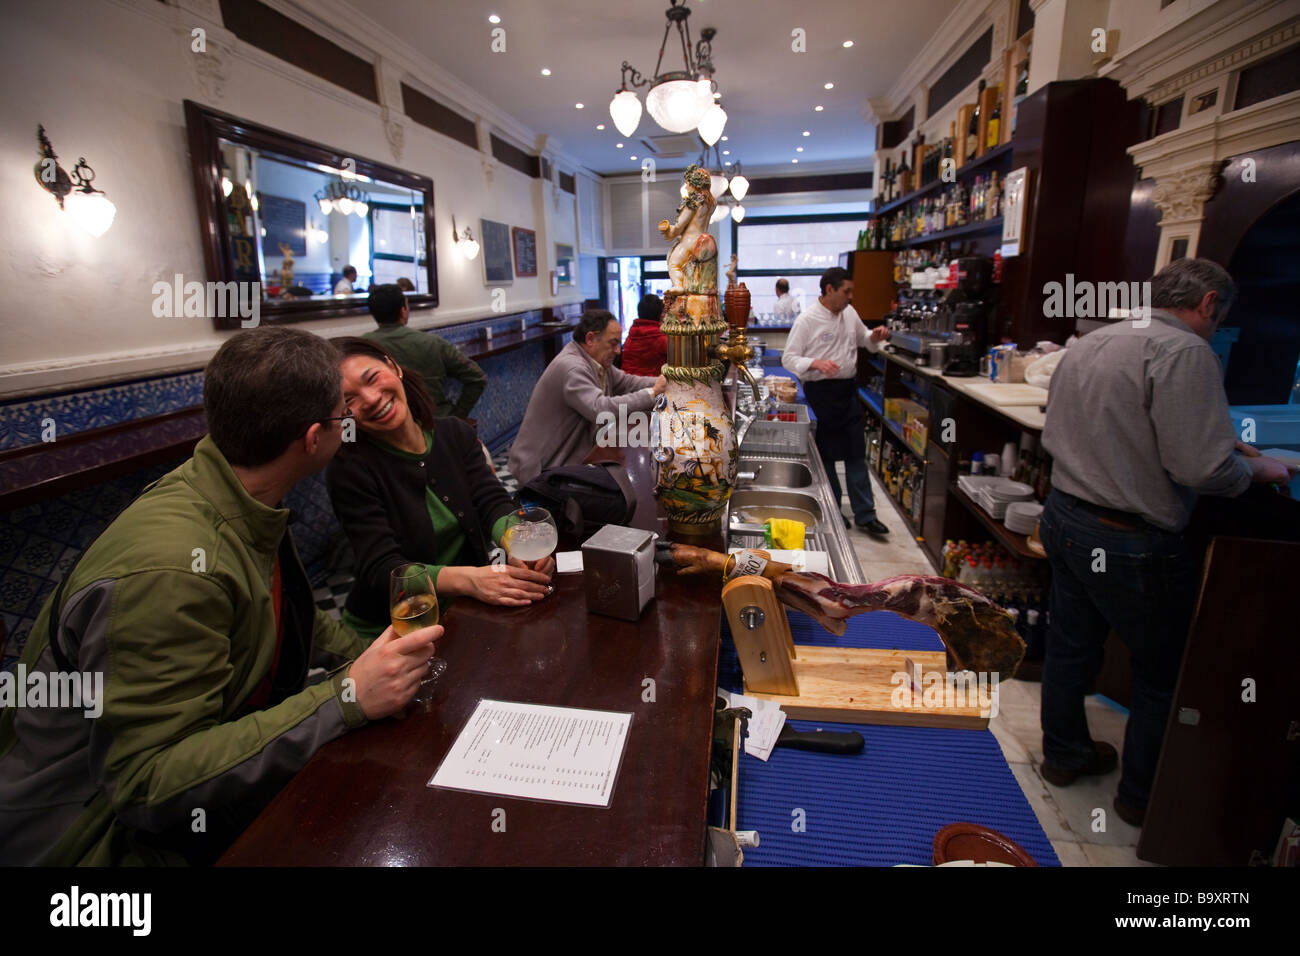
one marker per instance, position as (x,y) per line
(646,348)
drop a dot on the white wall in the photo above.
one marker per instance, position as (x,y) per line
(107,80)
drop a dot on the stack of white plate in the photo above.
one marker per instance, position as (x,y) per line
(997,494)
(1021,516)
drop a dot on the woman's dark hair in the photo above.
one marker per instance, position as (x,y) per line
(264,388)
(417,396)
(651,308)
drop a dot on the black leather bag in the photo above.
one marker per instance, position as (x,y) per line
(583,498)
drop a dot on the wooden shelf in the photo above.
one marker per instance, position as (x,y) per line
(970,229)
(1015,543)
(973,166)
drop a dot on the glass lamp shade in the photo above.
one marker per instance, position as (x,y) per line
(739,187)
(469,248)
(717,185)
(361,209)
(712,124)
(625,111)
(738,212)
(719,214)
(677,105)
(326,206)
(227,187)
(344,205)
(683,190)
(93,212)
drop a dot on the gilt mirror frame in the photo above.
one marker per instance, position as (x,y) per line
(206,128)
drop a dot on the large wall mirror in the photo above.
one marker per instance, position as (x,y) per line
(292,216)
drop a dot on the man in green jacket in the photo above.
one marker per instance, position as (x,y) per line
(433,357)
(185,634)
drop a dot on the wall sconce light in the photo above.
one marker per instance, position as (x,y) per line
(466,243)
(91,209)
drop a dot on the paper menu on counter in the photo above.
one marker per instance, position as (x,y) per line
(764,727)
(555,754)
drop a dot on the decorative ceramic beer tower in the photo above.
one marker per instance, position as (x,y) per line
(693,432)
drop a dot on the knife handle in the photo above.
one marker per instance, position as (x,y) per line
(821,741)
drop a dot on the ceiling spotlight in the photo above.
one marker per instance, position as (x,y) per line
(494,19)
(600,126)
(847,44)
(794,160)
(546,71)
(631,157)
(618,145)
(726,152)
(798,149)
(724,139)
(818,109)
(829,86)
(807,132)
(577,106)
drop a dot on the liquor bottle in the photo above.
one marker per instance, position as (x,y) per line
(973,128)
(995,124)
(950,143)
(1022,89)
(904,176)
(991,207)
(887,177)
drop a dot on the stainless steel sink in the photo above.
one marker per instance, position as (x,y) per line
(773,473)
(753,506)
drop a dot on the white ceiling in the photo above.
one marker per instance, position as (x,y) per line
(768,90)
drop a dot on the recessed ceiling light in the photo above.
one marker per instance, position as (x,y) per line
(618,145)
(600,126)
(807,132)
(494,19)
(717,96)
(794,160)
(818,109)
(631,157)
(798,149)
(726,152)
(847,44)
(829,86)
(727,163)
(577,106)
(724,139)
(546,71)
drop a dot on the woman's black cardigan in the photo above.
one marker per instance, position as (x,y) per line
(379,498)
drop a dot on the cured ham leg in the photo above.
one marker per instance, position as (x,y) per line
(977,633)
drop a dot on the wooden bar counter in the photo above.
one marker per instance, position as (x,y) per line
(363,799)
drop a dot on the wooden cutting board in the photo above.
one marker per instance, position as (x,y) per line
(1018,394)
(855,685)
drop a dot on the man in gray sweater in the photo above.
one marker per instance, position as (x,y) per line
(1138,427)
(559,427)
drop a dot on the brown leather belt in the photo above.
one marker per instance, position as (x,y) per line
(1125,520)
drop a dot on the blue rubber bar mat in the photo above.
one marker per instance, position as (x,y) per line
(883,806)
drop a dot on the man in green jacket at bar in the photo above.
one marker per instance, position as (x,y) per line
(165,697)
(432,356)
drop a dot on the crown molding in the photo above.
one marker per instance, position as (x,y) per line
(1222,35)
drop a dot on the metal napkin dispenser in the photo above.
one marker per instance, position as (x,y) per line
(618,565)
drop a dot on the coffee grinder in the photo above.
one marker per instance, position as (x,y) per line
(970,303)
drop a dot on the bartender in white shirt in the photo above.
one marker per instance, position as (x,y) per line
(344,285)
(822,352)
(786,307)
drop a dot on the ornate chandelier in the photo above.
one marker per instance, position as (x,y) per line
(343,197)
(678,100)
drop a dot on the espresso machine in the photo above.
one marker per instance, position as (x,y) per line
(970,304)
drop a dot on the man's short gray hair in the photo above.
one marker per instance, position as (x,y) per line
(1184,282)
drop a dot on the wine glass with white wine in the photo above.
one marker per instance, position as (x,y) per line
(414,604)
(530,535)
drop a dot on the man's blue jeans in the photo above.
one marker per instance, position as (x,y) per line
(1146,594)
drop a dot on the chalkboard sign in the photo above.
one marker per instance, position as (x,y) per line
(285,220)
(525,251)
(497,269)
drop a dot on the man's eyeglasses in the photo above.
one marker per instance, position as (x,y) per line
(347,414)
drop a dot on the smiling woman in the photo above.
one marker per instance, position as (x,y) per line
(416,489)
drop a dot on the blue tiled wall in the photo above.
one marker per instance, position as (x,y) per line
(39,543)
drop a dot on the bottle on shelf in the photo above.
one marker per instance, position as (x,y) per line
(991,202)
(995,124)
(973,128)
(1022,90)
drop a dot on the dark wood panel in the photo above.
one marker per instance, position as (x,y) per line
(1272,77)
(441,119)
(1220,792)
(964,71)
(1142,234)
(362,799)
(807,184)
(515,158)
(568,183)
(289,40)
